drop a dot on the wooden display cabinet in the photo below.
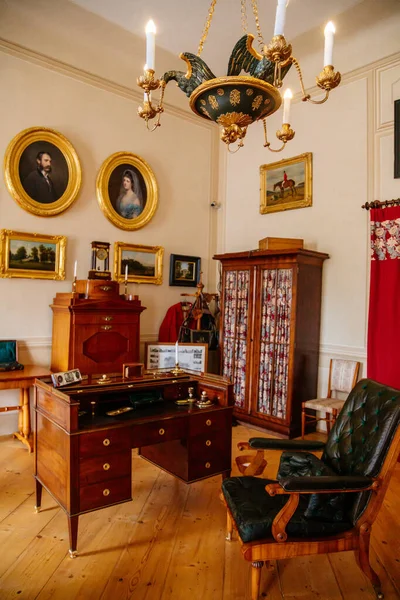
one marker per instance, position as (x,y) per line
(270,328)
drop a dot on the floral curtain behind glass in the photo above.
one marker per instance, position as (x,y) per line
(384,302)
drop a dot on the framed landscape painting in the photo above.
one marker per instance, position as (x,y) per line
(32,255)
(184,270)
(142,264)
(286,184)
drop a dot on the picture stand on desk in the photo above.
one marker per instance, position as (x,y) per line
(193,357)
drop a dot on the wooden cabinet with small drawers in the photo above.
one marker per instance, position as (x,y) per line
(96,329)
(83,453)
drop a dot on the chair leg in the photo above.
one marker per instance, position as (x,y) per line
(362,558)
(328,423)
(303,420)
(229,526)
(256,578)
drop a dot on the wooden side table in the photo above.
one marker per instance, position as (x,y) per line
(22,380)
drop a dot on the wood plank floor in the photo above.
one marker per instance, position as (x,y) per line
(168,544)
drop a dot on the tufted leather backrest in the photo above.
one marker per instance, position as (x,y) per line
(361,436)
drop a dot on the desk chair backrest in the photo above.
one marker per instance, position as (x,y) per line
(362,434)
(343,375)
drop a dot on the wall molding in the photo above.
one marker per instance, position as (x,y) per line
(58,66)
(336,351)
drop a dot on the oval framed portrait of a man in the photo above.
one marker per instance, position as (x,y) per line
(127,190)
(42,171)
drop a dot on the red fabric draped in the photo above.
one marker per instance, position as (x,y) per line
(384,302)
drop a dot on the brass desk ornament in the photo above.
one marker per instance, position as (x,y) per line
(204,400)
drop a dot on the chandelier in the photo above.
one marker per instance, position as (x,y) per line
(235,101)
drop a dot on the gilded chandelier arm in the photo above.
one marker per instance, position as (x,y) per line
(285,135)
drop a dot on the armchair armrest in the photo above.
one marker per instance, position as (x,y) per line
(325,484)
(294,486)
(278,444)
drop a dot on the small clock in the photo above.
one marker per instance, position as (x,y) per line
(100,261)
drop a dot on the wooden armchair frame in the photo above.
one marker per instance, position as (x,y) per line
(357,538)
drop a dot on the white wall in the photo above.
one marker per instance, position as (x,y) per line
(99,118)
(351,138)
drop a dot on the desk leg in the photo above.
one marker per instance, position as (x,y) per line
(39,489)
(73,536)
(24,419)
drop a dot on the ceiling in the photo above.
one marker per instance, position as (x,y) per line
(180,22)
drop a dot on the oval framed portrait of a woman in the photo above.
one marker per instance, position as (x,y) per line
(127,190)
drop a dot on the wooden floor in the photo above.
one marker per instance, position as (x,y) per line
(168,544)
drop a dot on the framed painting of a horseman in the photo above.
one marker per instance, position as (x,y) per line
(286,184)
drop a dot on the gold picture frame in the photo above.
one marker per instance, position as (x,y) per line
(32,255)
(286,184)
(145,263)
(42,171)
(127,191)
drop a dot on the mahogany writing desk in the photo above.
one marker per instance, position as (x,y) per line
(83,455)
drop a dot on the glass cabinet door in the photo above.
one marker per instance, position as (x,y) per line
(274,340)
(235,328)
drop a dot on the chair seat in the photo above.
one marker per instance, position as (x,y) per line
(254,510)
(325,404)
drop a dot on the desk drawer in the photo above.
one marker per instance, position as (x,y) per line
(103,468)
(103,494)
(104,442)
(148,434)
(106,318)
(204,423)
(208,465)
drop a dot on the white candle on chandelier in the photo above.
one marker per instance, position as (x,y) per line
(280,17)
(287,96)
(328,51)
(150,44)
(176,353)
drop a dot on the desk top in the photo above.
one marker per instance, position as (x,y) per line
(29,373)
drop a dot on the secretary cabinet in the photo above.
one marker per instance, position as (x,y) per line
(270,328)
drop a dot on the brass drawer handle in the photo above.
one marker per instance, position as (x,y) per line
(208,443)
(106,327)
(106,442)
(107,318)
(207,465)
(106,492)
(208,422)
(105,288)
(161,431)
(106,466)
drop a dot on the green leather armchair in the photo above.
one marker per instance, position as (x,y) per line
(320,505)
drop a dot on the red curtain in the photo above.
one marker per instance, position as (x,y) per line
(383,353)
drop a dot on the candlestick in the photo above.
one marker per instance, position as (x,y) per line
(150,44)
(287,96)
(126,272)
(280,17)
(328,50)
(75,268)
(176,354)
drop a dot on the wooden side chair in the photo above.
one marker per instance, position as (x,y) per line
(320,505)
(343,375)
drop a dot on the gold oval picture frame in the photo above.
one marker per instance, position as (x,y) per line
(127,190)
(42,171)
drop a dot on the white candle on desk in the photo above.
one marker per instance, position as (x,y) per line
(75,268)
(328,51)
(176,353)
(287,96)
(126,273)
(150,44)
(280,17)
